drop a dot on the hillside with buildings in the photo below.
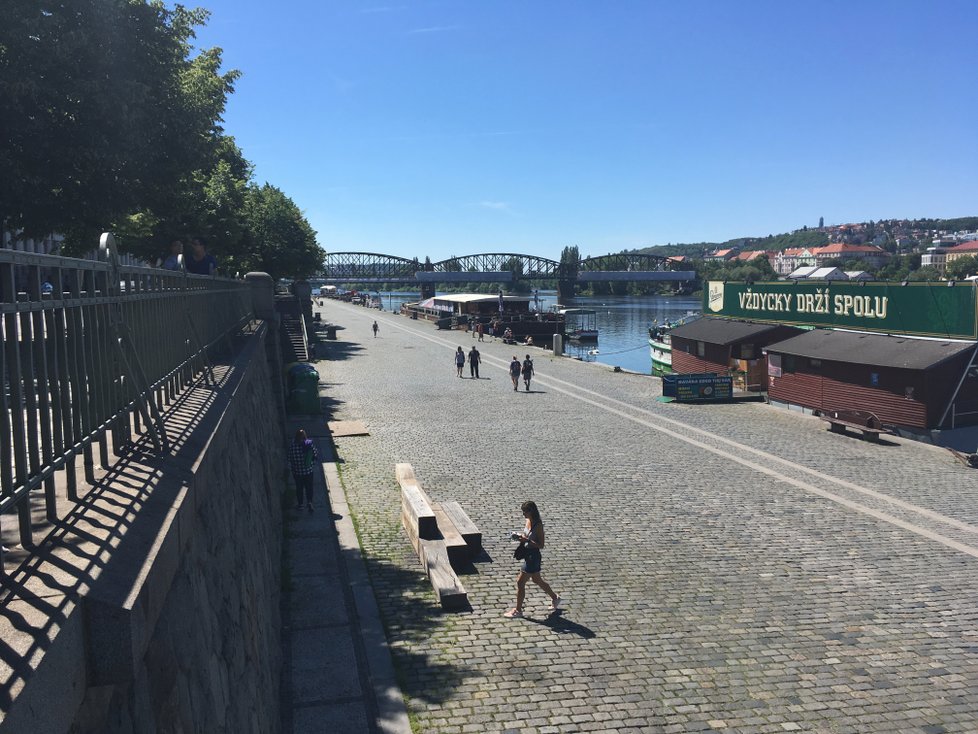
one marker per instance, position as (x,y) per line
(894,249)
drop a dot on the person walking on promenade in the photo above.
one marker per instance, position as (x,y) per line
(527,370)
(533,538)
(481,329)
(302,456)
(459,361)
(514,372)
(474,359)
(376,329)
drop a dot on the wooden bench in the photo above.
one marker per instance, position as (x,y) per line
(462,538)
(860,420)
(465,527)
(458,550)
(426,525)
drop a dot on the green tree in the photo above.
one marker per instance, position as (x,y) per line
(928,272)
(129,122)
(569,258)
(103,113)
(280,240)
(961,267)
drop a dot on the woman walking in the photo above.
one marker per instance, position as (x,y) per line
(533,538)
(459,361)
(514,372)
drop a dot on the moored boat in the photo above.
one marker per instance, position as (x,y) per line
(660,343)
(581,323)
(496,314)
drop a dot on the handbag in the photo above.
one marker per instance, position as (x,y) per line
(520,551)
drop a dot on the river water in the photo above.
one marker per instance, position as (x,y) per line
(622,321)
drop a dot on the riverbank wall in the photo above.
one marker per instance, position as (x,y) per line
(154,604)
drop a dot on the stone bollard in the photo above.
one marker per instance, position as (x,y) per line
(558,344)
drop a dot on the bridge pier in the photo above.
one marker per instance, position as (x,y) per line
(427,290)
(565,289)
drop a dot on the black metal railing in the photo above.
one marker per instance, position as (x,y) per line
(90,350)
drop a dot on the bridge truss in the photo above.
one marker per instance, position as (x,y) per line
(630,266)
(494,267)
(369,267)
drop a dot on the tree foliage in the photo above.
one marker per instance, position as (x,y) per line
(113,121)
(962,267)
(758,269)
(100,111)
(569,258)
(282,242)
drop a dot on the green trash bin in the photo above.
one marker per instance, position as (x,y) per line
(303,386)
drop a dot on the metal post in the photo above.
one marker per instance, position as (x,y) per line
(129,363)
(957,389)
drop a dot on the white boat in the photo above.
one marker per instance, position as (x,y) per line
(581,323)
(660,343)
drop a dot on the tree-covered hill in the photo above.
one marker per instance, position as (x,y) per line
(808,237)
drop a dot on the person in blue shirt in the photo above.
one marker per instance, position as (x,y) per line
(172,261)
(200,261)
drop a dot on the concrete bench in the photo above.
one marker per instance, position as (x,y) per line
(426,525)
(860,420)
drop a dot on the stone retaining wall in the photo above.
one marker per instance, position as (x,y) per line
(171,622)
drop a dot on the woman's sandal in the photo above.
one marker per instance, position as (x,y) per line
(514,614)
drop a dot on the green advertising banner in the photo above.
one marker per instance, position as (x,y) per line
(915,309)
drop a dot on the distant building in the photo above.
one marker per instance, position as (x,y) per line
(935,257)
(801,273)
(719,256)
(963,250)
(750,256)
(791,259)
(872,255)
(810,272)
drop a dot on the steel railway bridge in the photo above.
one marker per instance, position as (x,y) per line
(368,268)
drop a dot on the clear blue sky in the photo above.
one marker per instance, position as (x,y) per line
(450,128)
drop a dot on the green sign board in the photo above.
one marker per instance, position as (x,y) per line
(699,387)
(915,309)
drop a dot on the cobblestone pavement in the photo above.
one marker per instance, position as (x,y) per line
(733,568)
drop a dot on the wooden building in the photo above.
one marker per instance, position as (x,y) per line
(727,346)
(907,382)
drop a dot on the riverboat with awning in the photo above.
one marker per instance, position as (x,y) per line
(496,312)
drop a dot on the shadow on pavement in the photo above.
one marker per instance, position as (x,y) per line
(411,622)
(556,622)
(336,351)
